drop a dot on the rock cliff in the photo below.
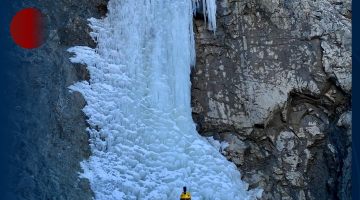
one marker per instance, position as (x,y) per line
(48,128)
(275,83)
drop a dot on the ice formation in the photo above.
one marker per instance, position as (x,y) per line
(143,140)
(209,12)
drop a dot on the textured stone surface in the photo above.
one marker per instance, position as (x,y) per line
(49,134)
(275,83)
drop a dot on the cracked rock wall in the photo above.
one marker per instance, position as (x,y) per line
(275,83)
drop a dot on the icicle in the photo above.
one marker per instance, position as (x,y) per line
(209,12)
(195,4)
(192,39)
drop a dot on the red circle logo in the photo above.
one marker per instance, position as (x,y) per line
(28,28)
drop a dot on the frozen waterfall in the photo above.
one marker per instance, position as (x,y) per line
(143,139)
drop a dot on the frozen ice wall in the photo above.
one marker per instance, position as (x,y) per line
(143,139)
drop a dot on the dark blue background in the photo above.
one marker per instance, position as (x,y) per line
(8,66)
(5,100)
(356,99)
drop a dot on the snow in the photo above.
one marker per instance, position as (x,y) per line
(218,145)
(143,140)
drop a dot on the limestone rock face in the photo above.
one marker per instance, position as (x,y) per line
(275,83)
